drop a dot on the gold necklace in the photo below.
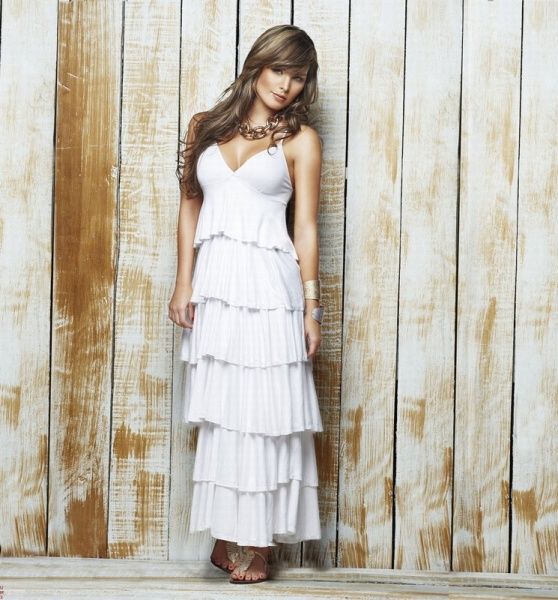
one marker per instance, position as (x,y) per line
(259,131)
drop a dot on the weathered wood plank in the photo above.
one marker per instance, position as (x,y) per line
(535,445)
(27,101)
(255,16)
(207,67)
(81,568)
(141,408)
(371,277)
(486,272)
(327,23)
(141,591)
(86,173)
(77,578)
(424,451)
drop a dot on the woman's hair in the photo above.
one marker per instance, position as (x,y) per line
(282,46)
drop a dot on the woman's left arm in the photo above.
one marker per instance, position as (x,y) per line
(307,175)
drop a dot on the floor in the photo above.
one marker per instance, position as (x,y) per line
(83,578)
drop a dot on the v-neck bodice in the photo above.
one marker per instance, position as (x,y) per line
(247,203)
(279,144)
(265,171)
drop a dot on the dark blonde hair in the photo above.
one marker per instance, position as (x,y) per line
(281,46)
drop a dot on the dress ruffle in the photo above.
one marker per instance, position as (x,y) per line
(252,462)
(254,218)
(275,400)
(244,336)
(244,274)
(288,514)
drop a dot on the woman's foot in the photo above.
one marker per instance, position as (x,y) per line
(226,555)
(254,567)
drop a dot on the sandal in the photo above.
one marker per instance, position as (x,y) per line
(234,556)
(249,554)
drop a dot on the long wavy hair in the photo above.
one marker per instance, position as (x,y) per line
(281,46)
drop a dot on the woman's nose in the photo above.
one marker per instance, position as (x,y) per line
(285,84)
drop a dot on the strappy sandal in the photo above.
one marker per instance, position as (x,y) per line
(234,556)
(243,566)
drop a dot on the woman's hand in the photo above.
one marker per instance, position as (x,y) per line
(181,310)
(312,334)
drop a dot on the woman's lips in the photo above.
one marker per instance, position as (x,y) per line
(282,98)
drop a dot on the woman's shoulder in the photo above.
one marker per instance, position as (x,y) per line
(306,140)
(306,129)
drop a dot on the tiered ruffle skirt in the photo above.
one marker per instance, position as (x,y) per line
(249,388)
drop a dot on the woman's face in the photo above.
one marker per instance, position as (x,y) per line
(277,87)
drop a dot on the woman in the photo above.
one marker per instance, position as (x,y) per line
(250,308)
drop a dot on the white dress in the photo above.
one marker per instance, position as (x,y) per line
(249,384)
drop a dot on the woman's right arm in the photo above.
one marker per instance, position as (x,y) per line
(181,311)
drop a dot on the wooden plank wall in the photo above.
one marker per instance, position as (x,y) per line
(438,227)
(28,41)
(534,539)
(486,283)
(84,256)
(142,374)
(370,283)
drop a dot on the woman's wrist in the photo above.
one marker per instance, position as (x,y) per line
(310,303)
(314,309)
(183,283)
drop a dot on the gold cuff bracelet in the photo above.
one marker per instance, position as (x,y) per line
(312,289)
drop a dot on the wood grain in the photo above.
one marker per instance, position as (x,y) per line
(78,578)
(327,23)
(85,233)
(486,273)
(142,373)
(535,444)
(27,102)
(426,337)
(371,278)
